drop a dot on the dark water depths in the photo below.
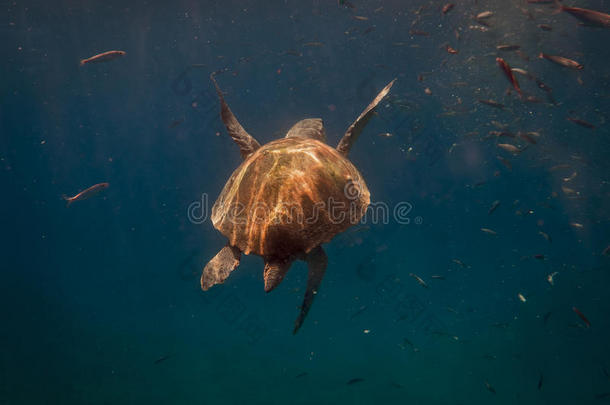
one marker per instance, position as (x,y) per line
(101,301)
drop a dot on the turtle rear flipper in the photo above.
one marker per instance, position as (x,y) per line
(218,269)
(356,128)
(247,144)
(308,128)
(316,261)
(274,272)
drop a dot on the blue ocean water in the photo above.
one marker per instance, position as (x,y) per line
(101,302)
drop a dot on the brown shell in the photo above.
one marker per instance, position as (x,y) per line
(288,197)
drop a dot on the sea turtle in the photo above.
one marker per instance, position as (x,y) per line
(286,199)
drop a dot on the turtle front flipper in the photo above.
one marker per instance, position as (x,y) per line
(356,128)
(308,128)
(247,144)
(218,269)
(316,261)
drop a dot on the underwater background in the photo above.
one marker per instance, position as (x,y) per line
(101,302)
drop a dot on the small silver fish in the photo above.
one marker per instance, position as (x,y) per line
(551,277)
(493,207)
(103,57)
(509,148)
(489,231)
(83,195)
(545,235)
(419,280)
(483,15)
